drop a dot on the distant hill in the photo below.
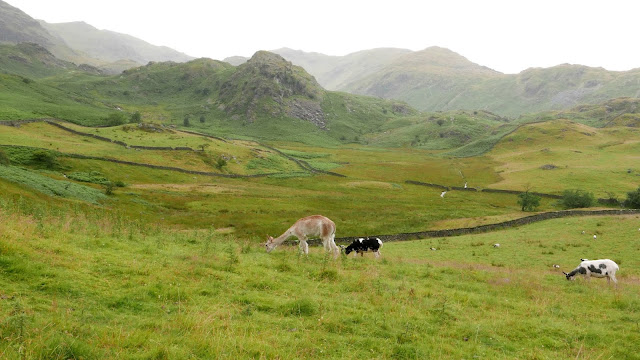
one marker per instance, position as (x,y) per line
(438,79)
(82,43)
(430,78)
(267,97)
(109,46)
(18,27)
(31,60)
(336,72)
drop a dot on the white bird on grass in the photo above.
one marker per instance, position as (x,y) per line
(442,195)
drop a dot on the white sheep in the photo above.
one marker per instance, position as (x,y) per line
(596,268)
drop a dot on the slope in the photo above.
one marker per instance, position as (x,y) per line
(267,97)
(111,47)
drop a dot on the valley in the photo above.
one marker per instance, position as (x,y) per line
(135,204)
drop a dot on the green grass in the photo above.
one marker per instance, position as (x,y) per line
(96,286)
(51,187)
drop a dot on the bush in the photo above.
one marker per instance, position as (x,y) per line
(44,159)
(115,119)
(572,199)
(221,163)
(136,117)
(633,199)
(528,201)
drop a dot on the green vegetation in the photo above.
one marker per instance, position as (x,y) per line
(50,186)
(633,199)
(528,201)
(572,199)
(96,285)
(172,265)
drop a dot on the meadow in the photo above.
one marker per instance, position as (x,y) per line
(81,283)
(172,265)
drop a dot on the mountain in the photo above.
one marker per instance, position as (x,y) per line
(336,72)
(31,60)
(18,27)
(438,79)
(108,46)
(267,97)
(430,78)
(82,43)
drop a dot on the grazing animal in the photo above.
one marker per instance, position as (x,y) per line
(556,266)
(496,245)
(596,268)
(434,249)
(595,237)
(310,226)
(362,245)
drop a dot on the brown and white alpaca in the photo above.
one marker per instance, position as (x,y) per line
(303,229)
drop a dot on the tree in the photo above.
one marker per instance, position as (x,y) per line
(186,120)
(633,199)
(202,119)
(528,201)
(136,117)
(572,199)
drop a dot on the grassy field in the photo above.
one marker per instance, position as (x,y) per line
(172,266)
(602,160)
(78,284)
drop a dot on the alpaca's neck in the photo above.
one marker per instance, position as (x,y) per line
(282,238)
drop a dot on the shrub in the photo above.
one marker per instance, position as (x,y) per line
(528,201)
(44,159)
(221,163)
(115,119)
(633,199)
(136,117)
(572,199)
(108,188)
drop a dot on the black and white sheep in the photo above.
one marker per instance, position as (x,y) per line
(362,245)
(596,268)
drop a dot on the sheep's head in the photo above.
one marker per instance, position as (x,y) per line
(270,244)
(569,276)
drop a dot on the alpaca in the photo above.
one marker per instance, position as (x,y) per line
(310,226)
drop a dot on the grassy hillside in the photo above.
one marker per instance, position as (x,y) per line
(34,61)
(24,98)
(266,98)
(428,80)
(599,161)
(95,286)
(570,155)
(168,264)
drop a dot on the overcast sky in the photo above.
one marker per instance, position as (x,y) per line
(508,36)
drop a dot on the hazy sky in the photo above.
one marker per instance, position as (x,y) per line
(508,36)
